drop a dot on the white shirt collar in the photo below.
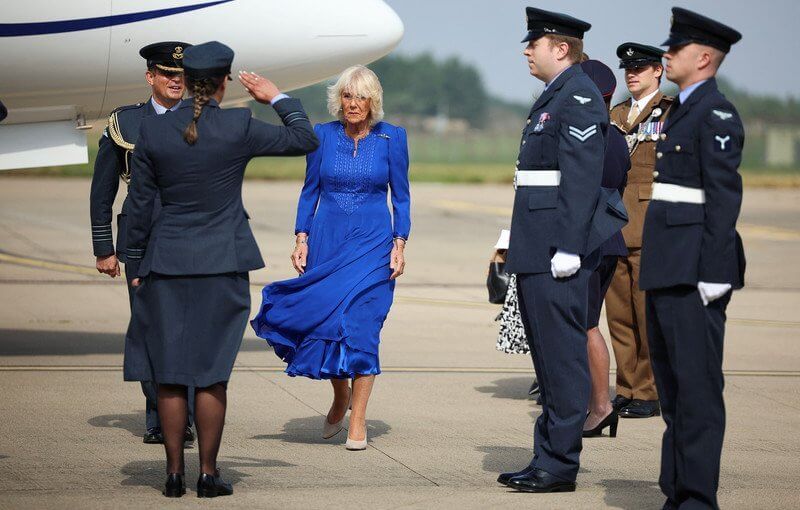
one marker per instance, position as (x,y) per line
(161,109)
(685,93)
(644,101)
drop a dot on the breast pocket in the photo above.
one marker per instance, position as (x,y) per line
(538,148)
(680,156)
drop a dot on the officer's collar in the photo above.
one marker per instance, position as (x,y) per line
(189,102)
(557,83)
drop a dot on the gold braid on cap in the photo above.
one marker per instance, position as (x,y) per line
(116,136)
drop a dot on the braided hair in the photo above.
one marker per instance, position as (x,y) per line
(202,90)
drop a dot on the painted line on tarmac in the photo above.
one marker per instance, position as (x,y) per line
(46,264)
(748,230)
(390,370)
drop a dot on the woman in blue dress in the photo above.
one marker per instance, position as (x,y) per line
(326,323)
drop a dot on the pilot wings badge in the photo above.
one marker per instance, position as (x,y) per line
(722,115)
(582,100)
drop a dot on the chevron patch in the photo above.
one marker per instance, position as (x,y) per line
(583,134)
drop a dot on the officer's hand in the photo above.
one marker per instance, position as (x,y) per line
(136,282)
(108,265)
(712,291)
(262,89)
(397,261)
(300,254)
(564,264)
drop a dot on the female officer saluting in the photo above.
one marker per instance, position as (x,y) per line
(193,299)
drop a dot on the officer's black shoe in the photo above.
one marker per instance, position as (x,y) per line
(534,389)
(505,477)
(619,402)
(641,409)
(188,438)
(211,486)
(175,486)
(540,481)
(153,436)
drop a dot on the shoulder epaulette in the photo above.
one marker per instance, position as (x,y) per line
(621,103)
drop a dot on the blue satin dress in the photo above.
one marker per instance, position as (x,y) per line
(326,323)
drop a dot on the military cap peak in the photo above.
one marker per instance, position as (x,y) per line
(208,60)
(165,55)
(633,54)
(690,27)
(541,23)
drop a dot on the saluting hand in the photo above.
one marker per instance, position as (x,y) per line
(398,260)
(108,265)
(262,89)
(300,254)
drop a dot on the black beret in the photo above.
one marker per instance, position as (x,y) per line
(690,27)
(166,55)
(208,60)
(601,75)
(541,22)
(633,54)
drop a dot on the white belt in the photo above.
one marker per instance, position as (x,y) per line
(537,178)
(675,193)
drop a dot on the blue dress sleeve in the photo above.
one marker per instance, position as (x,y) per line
(398,182)
(141,196)
(309,197)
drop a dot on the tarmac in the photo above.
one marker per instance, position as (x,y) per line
(447,415)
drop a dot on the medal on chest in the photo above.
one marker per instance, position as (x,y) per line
(544,117)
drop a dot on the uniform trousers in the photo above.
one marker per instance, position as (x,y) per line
(554,315)
(150,388)
(686,341)
(625,311)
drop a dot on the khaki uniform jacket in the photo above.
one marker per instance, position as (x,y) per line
(640,177)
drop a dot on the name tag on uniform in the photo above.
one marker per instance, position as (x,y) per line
(544,117)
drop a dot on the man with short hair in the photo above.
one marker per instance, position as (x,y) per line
(165,76)
(558,178)
(641,119)
(692,258)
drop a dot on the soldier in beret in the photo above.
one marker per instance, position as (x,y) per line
(692,258)
(165,76)
(641,119)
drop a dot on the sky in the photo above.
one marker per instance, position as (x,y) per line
(487,34)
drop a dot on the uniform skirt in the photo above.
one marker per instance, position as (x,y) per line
(187,330)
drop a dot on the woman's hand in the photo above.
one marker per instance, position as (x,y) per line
(136,282)
(300,253)
(398,259)
(262,89)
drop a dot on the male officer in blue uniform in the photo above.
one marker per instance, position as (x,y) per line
(557,182)
(165,77)
(692,258)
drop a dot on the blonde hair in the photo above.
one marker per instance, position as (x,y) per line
(359,81)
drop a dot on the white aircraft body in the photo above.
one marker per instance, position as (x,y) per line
(66,65)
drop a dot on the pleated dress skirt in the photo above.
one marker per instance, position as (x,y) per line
(187,330)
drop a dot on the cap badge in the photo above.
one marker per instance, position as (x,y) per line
(178,53)
(629,52)
(550,30)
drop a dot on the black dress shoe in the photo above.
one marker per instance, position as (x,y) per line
(505,477)
(188,438)
(211,486)
(619,402)
(612,420)
(175,486)
(540,481)
(641,409)
(153,436)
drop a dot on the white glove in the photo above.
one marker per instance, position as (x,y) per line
(712,291)
(564,264)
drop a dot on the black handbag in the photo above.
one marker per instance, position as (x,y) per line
(497,282)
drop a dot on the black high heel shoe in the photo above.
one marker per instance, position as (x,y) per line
(211,486)
(612,420)
(175,486)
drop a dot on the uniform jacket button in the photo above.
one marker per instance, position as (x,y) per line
(523,142)
(663,136)
(660,155)
(655,174)
(529,121)
(517,162)
(677,148)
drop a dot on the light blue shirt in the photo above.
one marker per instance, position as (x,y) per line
(278,98)
(685,93)
(161,109)
(547,85)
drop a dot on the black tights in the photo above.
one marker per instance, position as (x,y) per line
(209,418)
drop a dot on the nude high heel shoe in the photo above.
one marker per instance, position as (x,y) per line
(331,429)
(355,446)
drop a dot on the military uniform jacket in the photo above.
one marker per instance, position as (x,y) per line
(112,163)
(684,243)
(203,227)
(642,135)
(565,131)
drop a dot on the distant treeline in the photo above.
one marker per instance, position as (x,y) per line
(426,87)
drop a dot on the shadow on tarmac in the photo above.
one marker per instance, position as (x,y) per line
(515,388)
(632,494)
(150,473)
(132,422)
(309,431)
(20,342)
